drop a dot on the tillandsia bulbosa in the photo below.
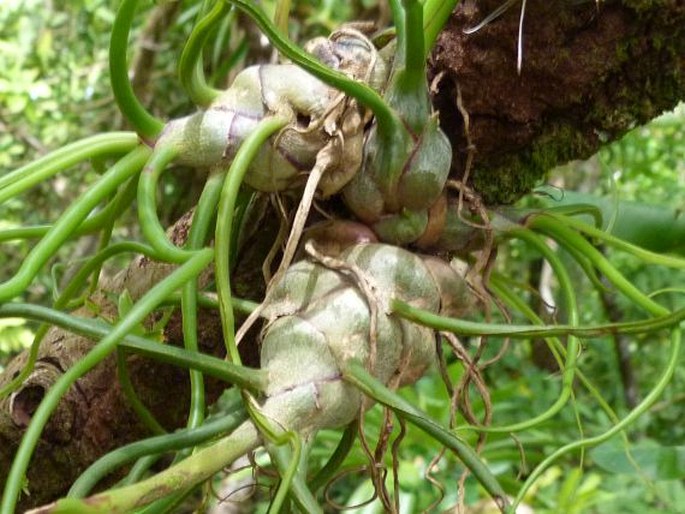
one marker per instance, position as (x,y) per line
(396,169)
(352,320)
(318,118)
(273,124)
(331,316)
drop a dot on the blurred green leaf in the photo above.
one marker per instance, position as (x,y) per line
(14,336)
(649,459)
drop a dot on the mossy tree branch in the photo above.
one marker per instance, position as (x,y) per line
(591,71)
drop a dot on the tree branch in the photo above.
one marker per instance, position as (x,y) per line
(591,71)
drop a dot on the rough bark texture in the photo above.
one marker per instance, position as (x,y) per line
(590,72)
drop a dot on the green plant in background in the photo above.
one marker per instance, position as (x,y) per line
(14,335)
(649,162)
(352,118)
(34,73)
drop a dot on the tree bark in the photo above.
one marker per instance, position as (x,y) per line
(589,73)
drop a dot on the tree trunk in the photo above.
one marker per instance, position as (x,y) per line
(589,73)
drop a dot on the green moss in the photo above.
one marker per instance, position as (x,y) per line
(641,6)
(504,181)
(622,51)
(636,104)
(503,184)
(506,178)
